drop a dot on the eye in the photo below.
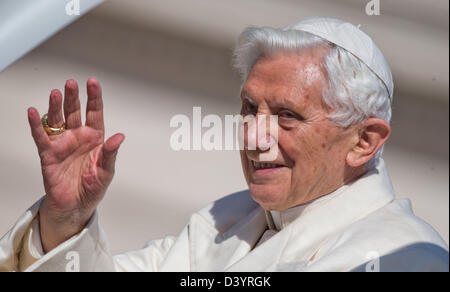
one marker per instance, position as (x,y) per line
(286,114)
(248,108)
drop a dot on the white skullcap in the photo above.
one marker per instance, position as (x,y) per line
(351,39)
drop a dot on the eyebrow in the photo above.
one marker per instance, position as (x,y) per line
(246,95)
(285,102)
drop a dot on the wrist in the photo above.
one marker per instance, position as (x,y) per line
(57,226)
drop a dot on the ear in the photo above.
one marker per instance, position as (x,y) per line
(372,136)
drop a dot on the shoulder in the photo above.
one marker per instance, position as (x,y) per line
(397,222)
(229,210)
(417,257)
(390,233)
(391,228)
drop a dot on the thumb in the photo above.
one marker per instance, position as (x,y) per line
(109,151)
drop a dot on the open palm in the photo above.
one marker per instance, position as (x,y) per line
(77,165)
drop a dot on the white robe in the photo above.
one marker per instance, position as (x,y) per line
(338,232)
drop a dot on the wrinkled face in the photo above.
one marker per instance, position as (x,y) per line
(311,150)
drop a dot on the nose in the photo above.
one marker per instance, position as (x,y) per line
(260,133)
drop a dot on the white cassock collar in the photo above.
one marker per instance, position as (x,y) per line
(277,220)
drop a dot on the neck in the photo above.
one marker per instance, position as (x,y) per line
(349,174)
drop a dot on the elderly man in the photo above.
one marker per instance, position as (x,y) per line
(325,203)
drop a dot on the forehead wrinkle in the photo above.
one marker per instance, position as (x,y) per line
(294,83)
(284,102)
(304,87)
(282,95)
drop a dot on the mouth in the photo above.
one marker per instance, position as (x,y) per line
(265,168)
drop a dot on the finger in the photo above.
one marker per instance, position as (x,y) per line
(37,130)
(94,108)
(109,151)
(55,117)
(72,111)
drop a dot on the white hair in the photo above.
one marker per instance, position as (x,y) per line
(354,92)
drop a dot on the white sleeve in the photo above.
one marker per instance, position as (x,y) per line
(86,251)
(34,243)
(12,242)
(148,259)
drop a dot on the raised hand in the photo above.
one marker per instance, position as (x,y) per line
(77,165)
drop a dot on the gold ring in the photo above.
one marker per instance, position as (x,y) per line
(51,131)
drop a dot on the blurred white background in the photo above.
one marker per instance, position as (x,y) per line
(158,58)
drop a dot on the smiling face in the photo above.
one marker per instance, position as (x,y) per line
(312,151)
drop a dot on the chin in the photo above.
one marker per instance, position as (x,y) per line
(269,197)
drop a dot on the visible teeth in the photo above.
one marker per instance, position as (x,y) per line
(263,165)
